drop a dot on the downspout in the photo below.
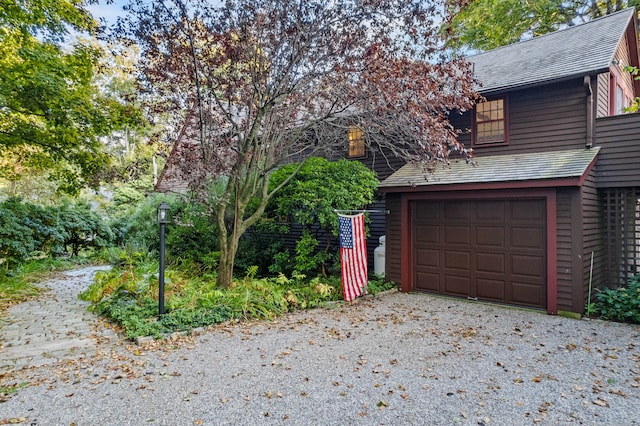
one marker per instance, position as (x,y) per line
(590,113)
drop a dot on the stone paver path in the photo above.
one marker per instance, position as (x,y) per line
(53,327)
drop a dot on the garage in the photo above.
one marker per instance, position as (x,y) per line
(493,250)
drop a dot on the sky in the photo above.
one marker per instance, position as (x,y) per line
(110,12)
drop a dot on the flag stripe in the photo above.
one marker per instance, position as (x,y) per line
(353,255)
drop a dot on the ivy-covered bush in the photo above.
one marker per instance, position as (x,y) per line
(622,304)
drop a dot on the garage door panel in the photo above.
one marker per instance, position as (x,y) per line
(460,210)
(458,260)
(490,210)
(490,249)
(527,294)
(490,236)
(428,281)
(491,262)
(457,235)
(427,212)
(428,258)
(457,285)
(428,234)
(491,289)
(529,266)
(529,237)
(527,210)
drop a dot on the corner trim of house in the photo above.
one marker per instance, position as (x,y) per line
(552,254)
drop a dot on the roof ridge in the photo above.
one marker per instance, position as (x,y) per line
(546,35)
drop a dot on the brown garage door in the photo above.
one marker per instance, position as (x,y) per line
(490,250)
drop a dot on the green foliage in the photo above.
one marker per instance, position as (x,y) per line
(191,235)
(83,228)
(622,304)
(635,104)
(52,114)
(310,198)
(264,246)
(128,296)
(378,284)
(487,24)
(16,240)
(28,229)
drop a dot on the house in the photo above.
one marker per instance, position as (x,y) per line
(551,206)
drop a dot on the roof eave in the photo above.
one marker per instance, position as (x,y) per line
(530,85)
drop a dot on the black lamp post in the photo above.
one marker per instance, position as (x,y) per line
(163,218)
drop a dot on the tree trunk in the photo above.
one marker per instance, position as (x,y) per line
(228,251)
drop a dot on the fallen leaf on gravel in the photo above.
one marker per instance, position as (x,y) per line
(198,422)
(601,402)
(618,392)
(13,421)
(382,404)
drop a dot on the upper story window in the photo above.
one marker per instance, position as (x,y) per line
(356,142)
(619,100)
(491,122)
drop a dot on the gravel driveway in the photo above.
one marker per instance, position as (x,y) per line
(395,360)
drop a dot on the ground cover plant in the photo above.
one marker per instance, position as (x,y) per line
(128,296)
(621,304)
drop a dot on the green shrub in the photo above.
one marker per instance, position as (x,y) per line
(16,239)
(82,227)
(622,304)
(310,199)
(190,233)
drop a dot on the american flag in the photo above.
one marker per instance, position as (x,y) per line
(353,255)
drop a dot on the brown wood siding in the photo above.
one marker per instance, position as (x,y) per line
(565,253)
(592,237)
(623,57)
(602,95)
(619,158)
(393,248)
(540,119)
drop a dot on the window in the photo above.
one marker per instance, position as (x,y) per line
(490,125)
(619,100)
(356,142)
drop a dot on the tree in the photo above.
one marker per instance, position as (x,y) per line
(52,114)
(487,24)
(266,82)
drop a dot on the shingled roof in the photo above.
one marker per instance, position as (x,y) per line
(573,52)
(534,167)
